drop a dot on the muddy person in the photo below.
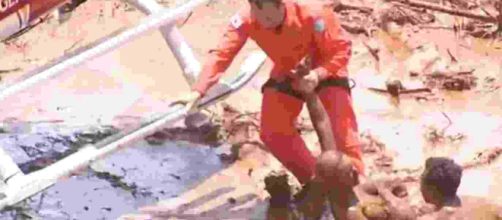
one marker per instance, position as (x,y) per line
(288,31)
(438,185)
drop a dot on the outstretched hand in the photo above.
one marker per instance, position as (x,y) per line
(190,100)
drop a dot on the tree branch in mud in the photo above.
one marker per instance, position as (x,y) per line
(443,9)
(453,59)
(483,158)
(4,71)
(344,6)
(354,29)
(449,123)
(373,52)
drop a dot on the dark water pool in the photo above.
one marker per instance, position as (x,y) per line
(119,184)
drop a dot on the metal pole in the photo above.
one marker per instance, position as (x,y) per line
(164,17)
(8,168)
(175,40)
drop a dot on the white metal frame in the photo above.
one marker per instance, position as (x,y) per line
(15,186)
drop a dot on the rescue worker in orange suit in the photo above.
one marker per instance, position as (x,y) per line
(287,31)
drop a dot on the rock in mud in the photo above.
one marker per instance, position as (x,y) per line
(277,185)
(375,211)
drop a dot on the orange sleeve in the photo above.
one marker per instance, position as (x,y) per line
(334,46)
(233,39)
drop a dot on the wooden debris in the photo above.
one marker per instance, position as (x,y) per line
(354,29)
(343,6)
(443,9)
(401,14)
(483,158)
(453,59)
(4,71)
(458,81)
(355,22)
(396,89)
(373,52)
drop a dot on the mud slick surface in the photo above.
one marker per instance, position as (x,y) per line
(121,183)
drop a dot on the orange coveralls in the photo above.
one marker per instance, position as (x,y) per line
(304,31)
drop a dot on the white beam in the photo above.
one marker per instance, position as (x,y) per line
(175,40)
(8,168)
(152,22)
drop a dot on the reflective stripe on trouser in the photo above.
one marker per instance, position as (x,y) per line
(278,115)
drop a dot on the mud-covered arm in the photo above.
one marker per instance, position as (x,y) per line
(320,121)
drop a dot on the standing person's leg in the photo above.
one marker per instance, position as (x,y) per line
(278,115)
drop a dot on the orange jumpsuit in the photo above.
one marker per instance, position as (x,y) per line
(305,30)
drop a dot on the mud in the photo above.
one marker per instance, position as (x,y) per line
(121,183)
(459,117)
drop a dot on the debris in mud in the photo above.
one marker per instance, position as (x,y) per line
(278,187)
(371,144)
(384,163)
(489,85)
(484,158)
(436,136)
(232,127)
(404,15)
(394,87)
(232,200)
(343,6)
(453,81)
(482,30)
(117,182)
(440,8)
(208,134)
(4,71)
(355,22)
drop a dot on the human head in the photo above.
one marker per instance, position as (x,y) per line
(268,13)
(440,180)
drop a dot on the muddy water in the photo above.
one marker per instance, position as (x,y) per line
(118,184)
(459,125)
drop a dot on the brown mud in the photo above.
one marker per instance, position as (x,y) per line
(457,59)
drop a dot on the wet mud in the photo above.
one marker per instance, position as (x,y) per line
(120,183)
